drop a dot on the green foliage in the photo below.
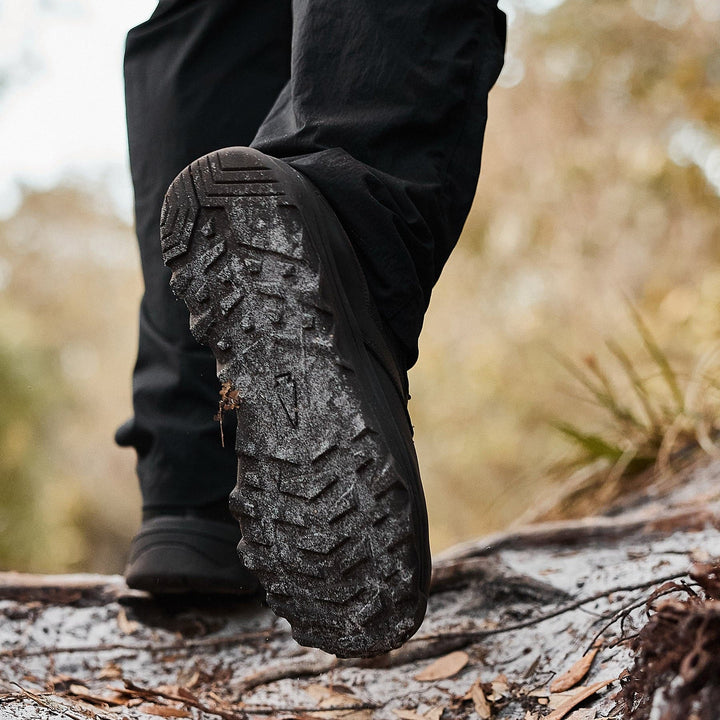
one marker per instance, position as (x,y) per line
(658,415)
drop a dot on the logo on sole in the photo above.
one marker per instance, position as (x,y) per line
(286,390)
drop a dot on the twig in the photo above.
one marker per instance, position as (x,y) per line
(61,708)
(621,640)
(572,532)
(211,642)
(625,611)
(314,665)
(11,697)
(305,666)
(189,699)
(270,710)
(420,648)
(78,590)
(185,698)
(448,576)
(431,645)
(480,634)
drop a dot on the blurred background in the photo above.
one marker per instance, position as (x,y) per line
(600,185)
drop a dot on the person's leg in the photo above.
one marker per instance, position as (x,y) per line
(199,74)
(384,113)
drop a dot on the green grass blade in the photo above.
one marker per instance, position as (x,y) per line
(659,358)
(619,412)
(595,390)
(602,392)
(595,446)
(636,382)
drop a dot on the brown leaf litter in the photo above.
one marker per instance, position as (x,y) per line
(480,700)
(444,667)
(676,674)
(577,672)
(580,695)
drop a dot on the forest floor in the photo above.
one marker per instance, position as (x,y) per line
(559,619)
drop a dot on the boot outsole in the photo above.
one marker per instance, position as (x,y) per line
(327,521)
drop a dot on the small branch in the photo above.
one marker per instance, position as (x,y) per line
(79,590)
(61,708)
(211,642)
(422,647)
(624,611)
(452,575)
(481,634)
(192,701)
(315,664)
(586,530)
(270,710)
(186,698)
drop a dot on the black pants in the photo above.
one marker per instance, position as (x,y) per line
(381,103)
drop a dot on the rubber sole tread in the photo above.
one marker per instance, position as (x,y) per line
(325,514)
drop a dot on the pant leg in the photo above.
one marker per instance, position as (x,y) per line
(385,113)
(199,75)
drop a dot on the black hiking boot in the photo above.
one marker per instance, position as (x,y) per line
(189,550)
(328,495)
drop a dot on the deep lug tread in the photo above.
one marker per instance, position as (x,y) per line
(325,517)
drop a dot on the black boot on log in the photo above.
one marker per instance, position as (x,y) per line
(188,550)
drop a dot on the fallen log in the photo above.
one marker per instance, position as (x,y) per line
(541,621)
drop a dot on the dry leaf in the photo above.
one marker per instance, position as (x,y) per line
(110,672)
(502,683)
(194,680)
(327,697)
(79,689)
(61,683)
(185,694)
(557,699)
(444,667)
(166,711)
(128,627)
(577,698)
(539,693)
(482,706)
(322,693)
(317,692)
(500,688)
(83,693)
(434,713)
(577,672)
(583,714)
(221,701)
